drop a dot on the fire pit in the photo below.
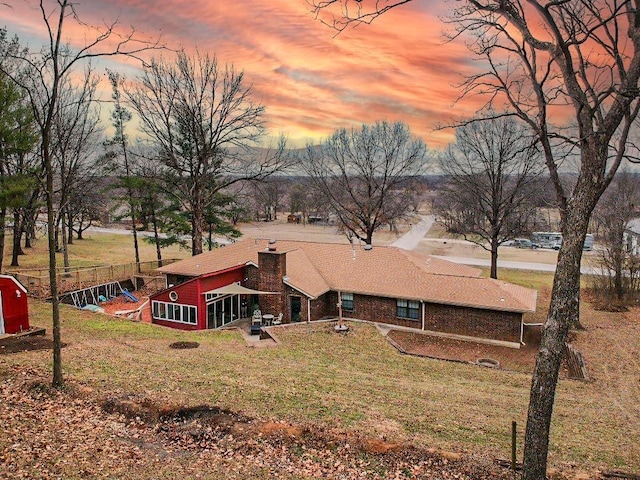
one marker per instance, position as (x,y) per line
(488,362)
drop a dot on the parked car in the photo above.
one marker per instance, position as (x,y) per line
(524,243)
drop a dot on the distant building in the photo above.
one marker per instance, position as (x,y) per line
(304,280)
(631,237)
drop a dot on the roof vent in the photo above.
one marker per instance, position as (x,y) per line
(272,241)
(368,247)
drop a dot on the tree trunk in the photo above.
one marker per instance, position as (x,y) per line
(30,231)
(197,222)
(196,233)
(57,232)
(156,237)
(58,380)
(17,237)
(69,227)
(134,231)
(494,258)
(369,238)
(565,299)
(65,246)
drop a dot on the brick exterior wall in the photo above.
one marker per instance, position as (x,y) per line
(324,306)
(273,268)
(473,322)
(252,275)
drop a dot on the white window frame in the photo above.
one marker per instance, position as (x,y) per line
(174,312)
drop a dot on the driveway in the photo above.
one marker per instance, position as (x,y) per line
(411,239)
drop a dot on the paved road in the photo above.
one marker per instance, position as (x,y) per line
(411,239)
(541,267)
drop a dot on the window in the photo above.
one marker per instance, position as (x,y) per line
(174,312)
(408,309)
(347,301)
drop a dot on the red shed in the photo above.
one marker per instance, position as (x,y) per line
(14,310)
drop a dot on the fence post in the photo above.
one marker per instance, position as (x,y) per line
(514,427)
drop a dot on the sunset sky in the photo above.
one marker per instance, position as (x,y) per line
(311,83)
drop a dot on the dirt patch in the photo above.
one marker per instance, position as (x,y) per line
(521,360)
(301,448)
(279,428)
(120,304)
(26,344)
(184,345)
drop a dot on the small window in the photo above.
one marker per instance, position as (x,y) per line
(408,309)
(347,301)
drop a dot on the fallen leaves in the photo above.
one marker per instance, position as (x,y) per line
(59,434)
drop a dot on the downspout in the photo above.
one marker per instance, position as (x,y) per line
(308,310)
(521,330)
(423,314)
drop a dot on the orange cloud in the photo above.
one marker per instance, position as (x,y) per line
(312,83)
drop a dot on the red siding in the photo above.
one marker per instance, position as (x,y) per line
(191,293)
(15,309)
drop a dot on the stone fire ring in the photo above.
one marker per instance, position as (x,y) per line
(488,362)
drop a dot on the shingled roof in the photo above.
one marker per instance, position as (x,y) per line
(316,268)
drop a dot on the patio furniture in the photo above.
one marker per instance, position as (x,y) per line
(256,322)
(278,320)
(267,318)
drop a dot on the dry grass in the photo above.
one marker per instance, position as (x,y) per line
(94,249)
(360,383)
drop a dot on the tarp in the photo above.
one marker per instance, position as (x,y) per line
(235,289)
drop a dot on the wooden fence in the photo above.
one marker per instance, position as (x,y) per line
(75,278)
(575,364)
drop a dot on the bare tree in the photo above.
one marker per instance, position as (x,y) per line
(299,200)
(268,197)
(206,125)
(75,139)
(364,174)
(491,170)
(46,71)
(614,211)
(577,61)
(120,116)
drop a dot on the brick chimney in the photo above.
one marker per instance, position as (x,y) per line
(272,267)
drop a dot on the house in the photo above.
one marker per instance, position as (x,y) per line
(631,237)
(305,281)
(14,309)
